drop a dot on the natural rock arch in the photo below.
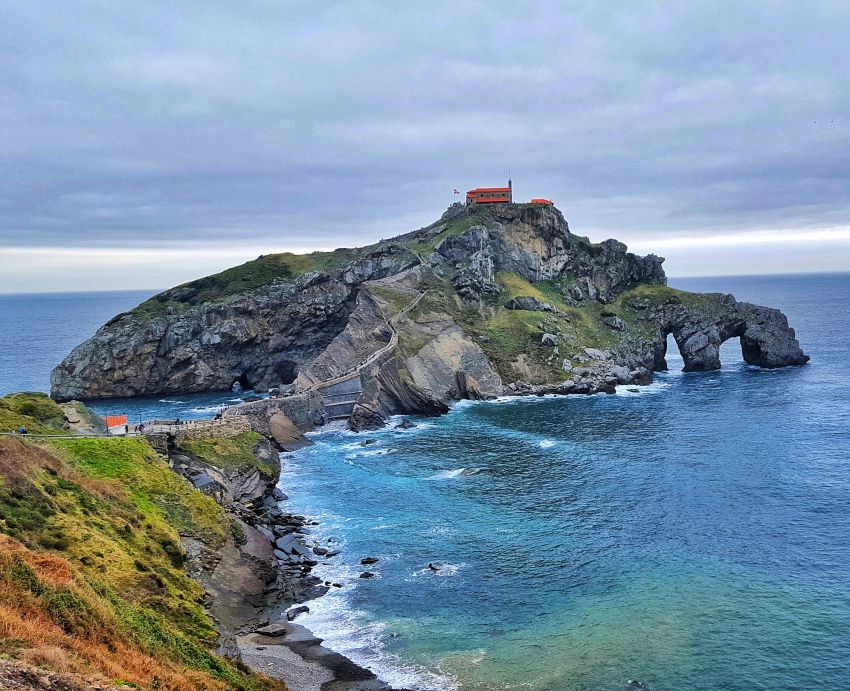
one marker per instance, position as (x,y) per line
(765,337)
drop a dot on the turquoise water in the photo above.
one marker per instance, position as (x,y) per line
(695,534)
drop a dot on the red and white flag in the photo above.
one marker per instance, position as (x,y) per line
(457,191)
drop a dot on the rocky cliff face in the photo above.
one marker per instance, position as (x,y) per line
(259,338)
(487,300)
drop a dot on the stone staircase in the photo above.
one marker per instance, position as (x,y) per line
(339,397)
(341,393)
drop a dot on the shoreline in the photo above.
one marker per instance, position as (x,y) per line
(279,646)
(295,654)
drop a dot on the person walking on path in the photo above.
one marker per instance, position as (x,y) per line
(22,430)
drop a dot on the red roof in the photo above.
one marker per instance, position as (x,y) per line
(490,189)
(115,420)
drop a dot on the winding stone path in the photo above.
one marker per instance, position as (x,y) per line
(340,394)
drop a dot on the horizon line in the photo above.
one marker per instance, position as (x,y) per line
(156,291)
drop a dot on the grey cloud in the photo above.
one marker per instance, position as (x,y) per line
(146,123)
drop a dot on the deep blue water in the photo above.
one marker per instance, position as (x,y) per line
(694,535)
(38,331)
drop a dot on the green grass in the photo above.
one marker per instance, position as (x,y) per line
(35,411)
(231,453)
(396,300)
(88,609)
(455,226)
(118,510)
(510,336)
(113,512)
(159,493)
(283,268)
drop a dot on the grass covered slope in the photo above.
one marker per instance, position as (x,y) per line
(92,580)
(35,411)
(511,339)
(237,453)
(261,272)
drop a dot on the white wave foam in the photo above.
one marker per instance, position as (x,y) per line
(547,444)
(444,570)
(169,400)
(384,526)
(394,420)
(635,390)
(457,472)
(334,427)
(441,530)
(377,452)
(355,634)
(206,409)
(369,454)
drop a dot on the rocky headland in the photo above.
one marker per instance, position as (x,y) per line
(174,544)
(487,301)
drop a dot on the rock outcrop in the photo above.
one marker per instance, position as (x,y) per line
(487,300)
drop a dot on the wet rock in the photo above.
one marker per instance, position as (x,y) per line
(368,561)
(287,543)
(435,566)
(621,374)
(295,611)
(405,424)
(367,575)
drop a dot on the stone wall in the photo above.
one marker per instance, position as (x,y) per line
(196,429)
(306,411)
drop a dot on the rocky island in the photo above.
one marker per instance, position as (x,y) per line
(175,545)
(489,300)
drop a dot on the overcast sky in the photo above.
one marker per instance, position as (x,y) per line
(143,144)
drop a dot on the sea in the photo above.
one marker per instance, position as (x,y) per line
(689,534)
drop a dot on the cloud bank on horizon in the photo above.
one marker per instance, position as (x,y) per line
(154,142)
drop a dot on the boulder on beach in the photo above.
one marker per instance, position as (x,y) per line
(272,630)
